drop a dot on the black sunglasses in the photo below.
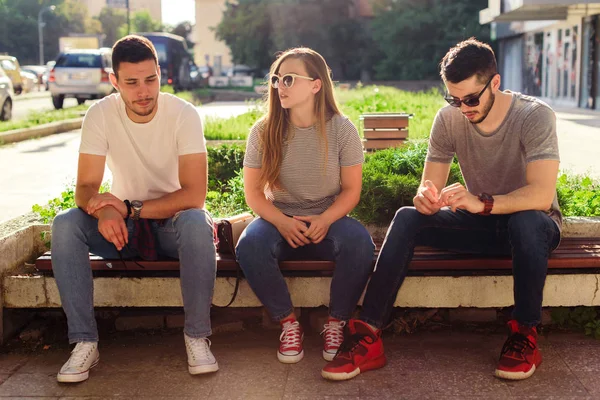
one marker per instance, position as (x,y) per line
(472,101)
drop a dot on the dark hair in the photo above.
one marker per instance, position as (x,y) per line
(132,49)
(469,57)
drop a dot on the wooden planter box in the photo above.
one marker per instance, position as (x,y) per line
(383,130)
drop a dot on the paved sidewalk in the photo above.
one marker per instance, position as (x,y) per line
(431,365)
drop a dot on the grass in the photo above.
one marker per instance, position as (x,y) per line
(36,118)
(367,99)
(353,103)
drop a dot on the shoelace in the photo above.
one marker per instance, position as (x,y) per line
(80,354)
(517,343)
(290,337)
(351,342)
(334,333)
(199,347)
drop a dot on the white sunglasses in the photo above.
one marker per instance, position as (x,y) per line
(287,80)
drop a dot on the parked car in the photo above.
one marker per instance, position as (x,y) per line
(11,67)
(6,96)
(49,66)
(243,70)
(173,58)
(30,81)
(200,75)
(39,71)
(82,74)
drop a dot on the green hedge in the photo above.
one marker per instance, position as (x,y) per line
(390,180)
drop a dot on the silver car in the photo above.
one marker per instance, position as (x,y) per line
(82,74)
(6,96)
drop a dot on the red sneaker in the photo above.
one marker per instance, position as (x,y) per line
(290,349)
(333,335)
(362,350)
(520,355)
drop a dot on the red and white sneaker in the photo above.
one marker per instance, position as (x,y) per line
(520,356)
(361,350)
(290,349)
(333,334)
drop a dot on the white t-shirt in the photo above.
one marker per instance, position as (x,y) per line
(143,158)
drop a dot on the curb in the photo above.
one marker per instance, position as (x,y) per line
(18,135)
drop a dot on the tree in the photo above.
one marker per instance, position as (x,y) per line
(414,35)
(142,22)
(246,29)
(19,30)
(112,21)
(183,29)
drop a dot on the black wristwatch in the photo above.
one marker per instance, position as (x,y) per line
(137,208)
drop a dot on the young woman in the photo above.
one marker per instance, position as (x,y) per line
(302,176)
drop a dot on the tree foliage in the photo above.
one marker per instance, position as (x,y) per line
(414,35)
(405,40)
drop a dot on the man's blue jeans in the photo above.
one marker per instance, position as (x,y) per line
(187,236)
(528,236)
(347,243)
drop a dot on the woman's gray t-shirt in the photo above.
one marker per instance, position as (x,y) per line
(308,182)
(496,162)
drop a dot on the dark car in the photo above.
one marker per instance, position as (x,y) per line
(174,59)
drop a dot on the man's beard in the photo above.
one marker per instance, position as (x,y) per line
(142,114)
(486,109)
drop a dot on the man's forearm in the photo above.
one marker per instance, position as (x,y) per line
(170,204)
(528,197)
(83,194)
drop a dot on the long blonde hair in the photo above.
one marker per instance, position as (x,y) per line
(276,122)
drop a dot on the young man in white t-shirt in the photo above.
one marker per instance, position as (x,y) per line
(154,146)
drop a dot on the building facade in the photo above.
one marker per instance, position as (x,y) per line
(209,50)
(153,7)
(548,49)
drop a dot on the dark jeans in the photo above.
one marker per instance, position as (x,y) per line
(348,243)
(528,236)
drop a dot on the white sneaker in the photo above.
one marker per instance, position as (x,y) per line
(84,357)
(333,333)
(200,359)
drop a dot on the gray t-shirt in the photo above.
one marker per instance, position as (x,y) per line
(308,182)
(495,163)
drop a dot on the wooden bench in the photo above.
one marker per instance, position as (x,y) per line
(383,130)
(572,254)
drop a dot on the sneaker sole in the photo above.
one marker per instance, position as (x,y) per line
(75,378)
(342,376)
(290,359)
(203,369)
(328,356)
(514,376)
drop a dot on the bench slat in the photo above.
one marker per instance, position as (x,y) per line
(572,253)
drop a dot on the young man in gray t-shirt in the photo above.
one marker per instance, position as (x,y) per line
(506,146)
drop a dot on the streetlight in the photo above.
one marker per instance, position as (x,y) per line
(41,31)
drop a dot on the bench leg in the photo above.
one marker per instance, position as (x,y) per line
(1,314)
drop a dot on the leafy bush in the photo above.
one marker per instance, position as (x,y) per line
(578,195)
(391,178)
(580,318)
(224,162)
(64,202)
(229,200)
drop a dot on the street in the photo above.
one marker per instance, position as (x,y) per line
(24,104)
(38,170)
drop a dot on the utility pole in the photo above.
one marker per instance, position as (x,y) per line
(128,19)
(41,31)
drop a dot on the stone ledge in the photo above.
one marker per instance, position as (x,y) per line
(426,292)
(18,135)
